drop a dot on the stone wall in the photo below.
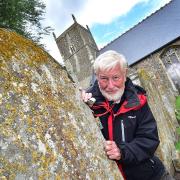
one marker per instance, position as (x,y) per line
(46,131)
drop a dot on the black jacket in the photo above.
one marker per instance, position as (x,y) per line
(134,131)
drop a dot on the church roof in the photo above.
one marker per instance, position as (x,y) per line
(154,32)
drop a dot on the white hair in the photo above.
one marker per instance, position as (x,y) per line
(109,60)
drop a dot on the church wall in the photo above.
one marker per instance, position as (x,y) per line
(151,73)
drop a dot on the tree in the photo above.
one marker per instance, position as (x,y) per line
(24,17)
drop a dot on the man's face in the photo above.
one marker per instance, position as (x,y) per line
(112,82)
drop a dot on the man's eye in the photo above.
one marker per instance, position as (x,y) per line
(104,78)
(116,78)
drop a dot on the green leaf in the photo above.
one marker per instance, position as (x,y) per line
(177,146)
(177,103)
(178,130)
(177,108)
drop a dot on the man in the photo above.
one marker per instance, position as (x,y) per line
(126,120)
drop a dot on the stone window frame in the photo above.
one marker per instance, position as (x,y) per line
(172,49)
(72,48)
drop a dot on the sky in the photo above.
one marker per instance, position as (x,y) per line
(107,19)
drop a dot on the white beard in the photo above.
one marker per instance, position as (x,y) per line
(115,97)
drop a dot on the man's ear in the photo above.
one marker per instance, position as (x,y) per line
(96,74)
(126,72)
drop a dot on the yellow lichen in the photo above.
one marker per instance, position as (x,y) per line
(142,73)
(11,168)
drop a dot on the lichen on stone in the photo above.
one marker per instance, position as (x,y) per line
(46,131)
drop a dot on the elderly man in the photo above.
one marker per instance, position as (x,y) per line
(127,122)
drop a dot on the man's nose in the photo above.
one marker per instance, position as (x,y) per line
(110,83)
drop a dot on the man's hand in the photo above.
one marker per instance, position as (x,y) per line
(85,96)
(112,151)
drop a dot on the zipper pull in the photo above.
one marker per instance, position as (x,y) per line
(123,131)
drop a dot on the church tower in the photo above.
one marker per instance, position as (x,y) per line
(78,50)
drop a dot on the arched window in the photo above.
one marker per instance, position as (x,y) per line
(171,60)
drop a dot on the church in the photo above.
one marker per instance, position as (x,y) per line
(152,49)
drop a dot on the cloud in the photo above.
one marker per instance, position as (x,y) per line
(59,13)
(86,12)
(104,12)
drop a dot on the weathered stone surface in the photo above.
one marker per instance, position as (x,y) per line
(163,111)
(46,132)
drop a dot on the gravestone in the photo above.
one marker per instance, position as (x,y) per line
(46,131)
